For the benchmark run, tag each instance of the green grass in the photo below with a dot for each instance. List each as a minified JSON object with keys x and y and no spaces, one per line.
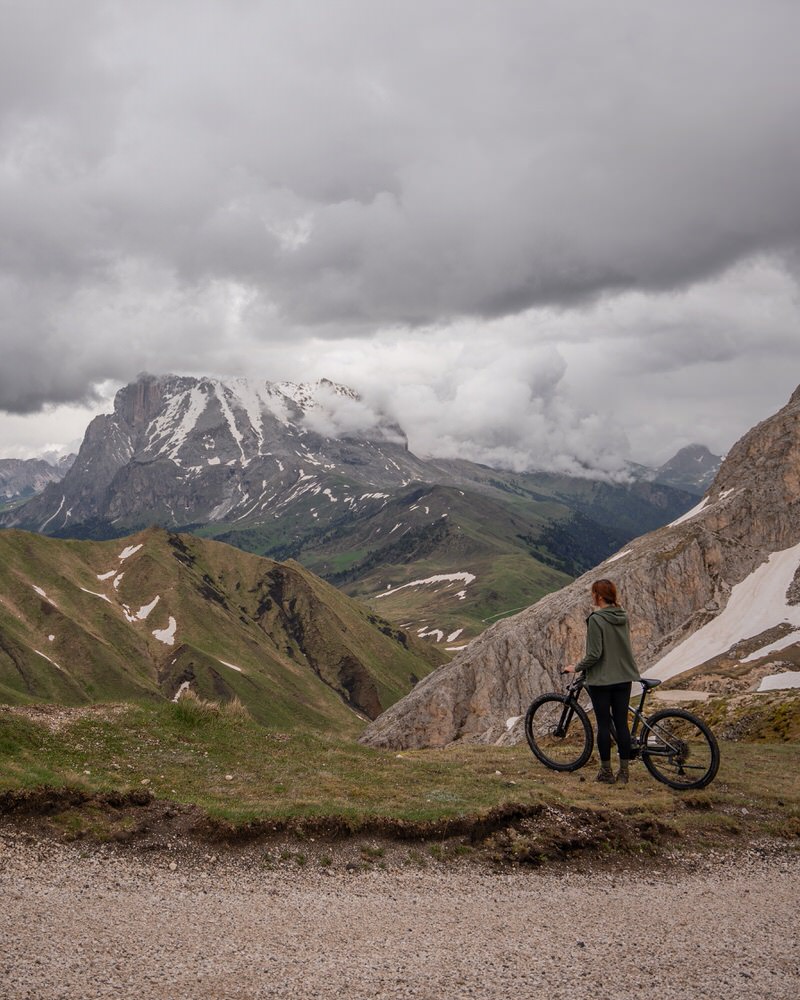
{"x":522,"y":536}
{"x":217,"y":759}
{"x":302,"y":652}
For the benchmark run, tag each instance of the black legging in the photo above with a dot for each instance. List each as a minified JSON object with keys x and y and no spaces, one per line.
{"x":611,"y":700}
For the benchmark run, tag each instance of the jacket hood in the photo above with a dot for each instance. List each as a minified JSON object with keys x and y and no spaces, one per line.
{"x":614,"y":616}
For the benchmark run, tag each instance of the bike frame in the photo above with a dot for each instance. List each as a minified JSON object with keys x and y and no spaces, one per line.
{"x":640,"y":724}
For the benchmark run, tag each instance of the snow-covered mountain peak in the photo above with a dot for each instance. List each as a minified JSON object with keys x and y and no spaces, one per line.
{"x":311,"y":395}
{"x":169,"y":416}
{"x":193,"y":449}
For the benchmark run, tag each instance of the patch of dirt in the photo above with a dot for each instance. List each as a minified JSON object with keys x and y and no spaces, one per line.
{"x":58,"y":717}
{"x":509,"y":834}
{"x":566,"y":832}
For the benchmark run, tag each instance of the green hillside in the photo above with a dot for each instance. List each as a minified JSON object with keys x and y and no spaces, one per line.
{"x":518,"y":536}
{"x":146,"y":617}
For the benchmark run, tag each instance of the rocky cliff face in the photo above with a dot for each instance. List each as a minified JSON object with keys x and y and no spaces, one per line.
{"x":182,"y":451}
{"x":719,"y":581}
{"x":693,"y":469}
{"x":24,"y":477}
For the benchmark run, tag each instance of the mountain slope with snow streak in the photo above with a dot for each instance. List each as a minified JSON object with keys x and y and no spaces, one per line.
{"x":20,"y":478}
{"x":156,"y":615}
{"x":181,"y":451}
{"x":721,"y":583}
{"x":755,"y":607}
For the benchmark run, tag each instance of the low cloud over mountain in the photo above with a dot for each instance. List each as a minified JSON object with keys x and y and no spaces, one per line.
{"x":200,"y":192}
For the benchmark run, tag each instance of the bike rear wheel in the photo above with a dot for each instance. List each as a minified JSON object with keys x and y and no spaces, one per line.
{"x":559,"y":732}
{"x":679,"y":749}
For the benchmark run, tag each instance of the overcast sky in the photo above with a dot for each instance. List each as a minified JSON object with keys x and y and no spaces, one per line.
{"x":538,"y":233}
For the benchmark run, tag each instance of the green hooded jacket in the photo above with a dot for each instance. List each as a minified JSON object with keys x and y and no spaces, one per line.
{"x":609,"y":657}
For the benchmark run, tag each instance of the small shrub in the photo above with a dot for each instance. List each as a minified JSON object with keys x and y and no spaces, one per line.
{"x":192,"y":710}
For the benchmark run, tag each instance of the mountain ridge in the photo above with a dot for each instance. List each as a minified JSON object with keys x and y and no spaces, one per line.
{"x":21,"y":478}
{"x":146,"y":617}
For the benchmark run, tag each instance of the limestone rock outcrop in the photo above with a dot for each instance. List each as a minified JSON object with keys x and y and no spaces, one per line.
{"x":673,"y":582}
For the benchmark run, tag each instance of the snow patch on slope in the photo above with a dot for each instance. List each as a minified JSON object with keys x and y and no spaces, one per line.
{"x":756,"y":604}
{"x":774,"y":647}
{"x":690,"y":513}
{"x":183,"y":410}
{"x":46,"y":657}
{"x":167,"y":635}
{"x":705,"y":504}
{"x":231,"y":665}
{"x":222,"y":392}
{"x":45,"y":523}
{"x":145,"y":609}
{"x":129,"y":551}
{"x":94,"y":594}
{"x":465,"y":578}
{"x":41,"y":593}
{"x":780,"y":682}
{"x":184,"y":687}
{"x":423,"y":633}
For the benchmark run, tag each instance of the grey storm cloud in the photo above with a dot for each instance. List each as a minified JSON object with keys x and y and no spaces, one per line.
{"x":185,"y":179}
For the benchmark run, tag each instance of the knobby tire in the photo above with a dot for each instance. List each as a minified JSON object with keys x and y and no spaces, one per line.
{"x":679,"y":749}
{"x":559,"y":753}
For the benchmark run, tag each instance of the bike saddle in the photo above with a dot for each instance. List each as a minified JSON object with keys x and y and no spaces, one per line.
{"x":649,"y":682}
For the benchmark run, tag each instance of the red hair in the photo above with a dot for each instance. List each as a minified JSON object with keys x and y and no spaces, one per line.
{"x":606,"y":590}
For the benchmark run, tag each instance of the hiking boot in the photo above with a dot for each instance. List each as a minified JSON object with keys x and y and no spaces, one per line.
{"x":605,"y":774}
{"x":622,"y":774}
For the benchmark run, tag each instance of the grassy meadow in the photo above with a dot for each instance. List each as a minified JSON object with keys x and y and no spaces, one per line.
{"x":119,"y":772}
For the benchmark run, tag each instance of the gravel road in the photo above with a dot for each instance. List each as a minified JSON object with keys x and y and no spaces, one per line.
{"x":86,"y":923}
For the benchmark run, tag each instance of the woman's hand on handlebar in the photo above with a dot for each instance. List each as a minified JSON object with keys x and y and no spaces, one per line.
{"x":569,"y":669}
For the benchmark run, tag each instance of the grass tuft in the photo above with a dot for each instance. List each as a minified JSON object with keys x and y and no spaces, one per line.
{"x":193,"y":710}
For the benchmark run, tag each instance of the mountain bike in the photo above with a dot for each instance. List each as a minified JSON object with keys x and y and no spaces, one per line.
{"x":676,"y":747}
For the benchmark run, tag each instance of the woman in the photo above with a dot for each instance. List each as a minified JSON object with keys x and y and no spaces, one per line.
{"x":609,"y":670}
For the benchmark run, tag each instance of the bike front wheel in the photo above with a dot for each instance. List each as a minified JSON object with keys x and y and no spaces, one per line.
{"x":679,"y":749}
{"x":559,"y":732}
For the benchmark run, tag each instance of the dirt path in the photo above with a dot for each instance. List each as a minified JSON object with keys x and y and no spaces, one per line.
{"x":92,"y":923}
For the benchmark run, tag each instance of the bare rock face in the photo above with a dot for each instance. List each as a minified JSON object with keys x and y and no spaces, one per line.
{"x":692,"y":469}
{"x":181,"y":451}
{"x":24,"y":477}
{"x":672,"y":581}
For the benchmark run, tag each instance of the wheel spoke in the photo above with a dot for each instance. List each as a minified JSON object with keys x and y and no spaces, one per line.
{"x":679,"y":749}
